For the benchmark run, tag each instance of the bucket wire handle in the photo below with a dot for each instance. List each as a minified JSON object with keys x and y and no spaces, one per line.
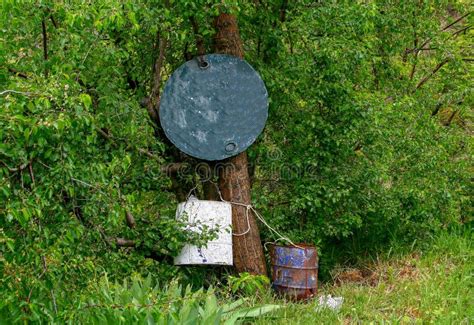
{"x":188,"y":199}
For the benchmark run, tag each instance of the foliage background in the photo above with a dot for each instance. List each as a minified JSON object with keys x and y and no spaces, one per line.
{"x":367,"y":141}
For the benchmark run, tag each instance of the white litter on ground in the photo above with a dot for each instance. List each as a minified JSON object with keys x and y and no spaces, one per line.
{"x":333,"y":303}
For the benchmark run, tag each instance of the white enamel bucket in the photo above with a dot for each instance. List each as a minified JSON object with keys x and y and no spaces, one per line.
{"x":213,"y":214}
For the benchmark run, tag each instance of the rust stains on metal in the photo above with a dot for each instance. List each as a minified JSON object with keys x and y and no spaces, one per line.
{"x":295,"y":270}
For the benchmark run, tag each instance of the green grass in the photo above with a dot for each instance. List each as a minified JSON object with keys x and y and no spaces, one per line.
{"x":432,"y":285}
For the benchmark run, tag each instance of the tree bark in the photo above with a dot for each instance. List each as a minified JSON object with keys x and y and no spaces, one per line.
{"x":234,"y":181}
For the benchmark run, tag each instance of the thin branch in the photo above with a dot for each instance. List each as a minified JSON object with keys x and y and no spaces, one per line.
{"x":461,"y":30}
{"x":32,"y":175}
{"x":83,"y":183}
{"x":87,"y":185}
{"x":275,"y":204}
{"x":53,"y":20}
{"x":428,"y":77}
{"x":456,"y":21}
{"x":436,"y":109}
{"x":428,"y":49}
{"x":148,"y":154}
{"x":413,"y":67}
{"x":44,"y":165}
{"x":45,"y":45}
{"x":442,"y":30}
{"x":122,"y":242}
{"x":18,"y":73}
{"x":12,"y":170}
{"x":199,"y":38}
{"x":130,"y":219}
{"x":7,"y":91}
{"x":415,"y":45}
{"x":451,"y":117}
{"x":283,"y":10}
{"x":54,"y":301}
{"x":104,"y":134}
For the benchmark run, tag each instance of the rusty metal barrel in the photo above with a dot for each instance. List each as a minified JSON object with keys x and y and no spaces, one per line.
{"x":295,"y":270}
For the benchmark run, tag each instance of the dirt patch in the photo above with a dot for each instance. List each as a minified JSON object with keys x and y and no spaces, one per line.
{"x":354,"y":275}
{"x":408,"y":272}
{"x":413,"y":312}
{"x":377,"y":272}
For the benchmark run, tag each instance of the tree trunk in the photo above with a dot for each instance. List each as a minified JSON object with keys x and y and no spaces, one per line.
{"x":234,"y":181}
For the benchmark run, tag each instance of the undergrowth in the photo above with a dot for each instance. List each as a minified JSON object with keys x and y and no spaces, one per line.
{"x":431,"y":284}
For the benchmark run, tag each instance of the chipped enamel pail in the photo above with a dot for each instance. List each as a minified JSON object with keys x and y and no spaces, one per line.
{"x":213,"y":214}
{"x":295,"y":270}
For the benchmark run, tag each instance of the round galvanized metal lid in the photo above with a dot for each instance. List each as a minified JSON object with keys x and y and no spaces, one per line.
{"x":215,"y":108}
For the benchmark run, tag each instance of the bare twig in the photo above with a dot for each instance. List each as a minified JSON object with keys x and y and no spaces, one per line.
{"x":53,"y":20}
{"x":122,"y":242}
{"x":83,"y":183}
{"x":44,"y":165}
{"x":426,"y":78}
{"x":413,"y":67}
{"x":130,"y":219}
{"x":283,"y":10}
{"x":45,"y":45}
{"x":422,"y":46}
{"x":148,"y":154}
{"x":88,"y":185}
{"x":7,"y":91}
{"x":104,"y":134}
{"x":451,"y":117}
{"x":415,"y":45}
{"x":18,"y":73}
{"x":21,"y":179}
{"x":461,"y":30}
{"x":455,"y":22}
{"x":45,"y":266}
{"x":53,"y":297}
{"x":32,"y":175}
{"x":19,"y":168}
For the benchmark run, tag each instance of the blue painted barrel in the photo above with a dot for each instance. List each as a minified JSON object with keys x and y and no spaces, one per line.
{"x":295,"y":270}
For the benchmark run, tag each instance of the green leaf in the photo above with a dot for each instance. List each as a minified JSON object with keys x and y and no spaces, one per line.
{"x":86,"y":100}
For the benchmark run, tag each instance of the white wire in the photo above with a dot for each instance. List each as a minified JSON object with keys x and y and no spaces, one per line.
{"x":188,"y":199}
